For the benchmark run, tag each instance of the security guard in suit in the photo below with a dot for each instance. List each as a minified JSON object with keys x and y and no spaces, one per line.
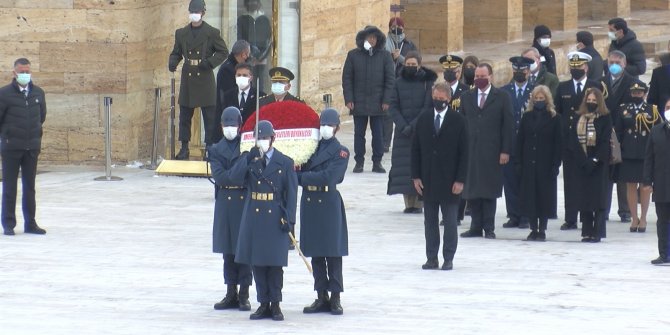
{"x":230,"y":196}
{"x":281,"y":82}
{"x":202,"y":49}
{"x":324,"y":235}
{"x":267,"y":217}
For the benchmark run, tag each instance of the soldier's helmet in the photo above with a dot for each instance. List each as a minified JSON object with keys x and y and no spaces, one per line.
{"x":330,"y":117}
{"x":265,"y":129}
{"x":231,"y":117}
{"x":196,"y":6}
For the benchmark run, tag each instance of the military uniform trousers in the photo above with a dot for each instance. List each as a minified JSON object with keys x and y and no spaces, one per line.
{"x":235,"y":273}
{"x":327,"y":272}
{"x":511,"y":186}
{"x":211,"y":119}
{"x":12,"y":161}
{"x":269,"y":283}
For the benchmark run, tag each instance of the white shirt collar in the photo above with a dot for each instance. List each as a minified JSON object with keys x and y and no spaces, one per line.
{"x":246,"y":92}
{"x":454,"y":86}
{"x":583,"y":81}
{"x":485,"y":91}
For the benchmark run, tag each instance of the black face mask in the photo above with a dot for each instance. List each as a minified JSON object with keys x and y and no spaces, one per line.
{"x":449,"y":76}
{"x":637,"y":100}
{"x":410,"y":71}
{"x":440,"y":105}
{"x":469,"y":74}
{"x":577,"y":73}
{"x":540,"y":105}
{"x":592,"y":107}
{"x":519,"y":77}
{"x":397,"y":31}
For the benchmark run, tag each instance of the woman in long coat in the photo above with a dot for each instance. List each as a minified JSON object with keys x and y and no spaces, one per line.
{"x":589,"y":146}
{"x":538,"y":157}
{"x":412,"y":94}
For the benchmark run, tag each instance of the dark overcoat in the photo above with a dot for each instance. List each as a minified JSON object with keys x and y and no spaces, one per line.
{"x":230,"y":196}
{"x":636,"y":61}
{"x":657,"y":163}
{"x":261,"y":241}
{"x":538,"y":157}
{"x":323,"y":220}
{"x":490,"y":133}
{"x":198,"y":87}
{"x":441,"y":159}
{"x":411,"y":96}
{"x":659,"y":87}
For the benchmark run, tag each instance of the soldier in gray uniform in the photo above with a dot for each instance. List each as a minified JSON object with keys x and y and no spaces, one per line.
{"x":281,"y":83}
{"x":267,"y":217}
{"x":230,"y":195}
{"x":202,"y":49}
{"x":324,"y":235}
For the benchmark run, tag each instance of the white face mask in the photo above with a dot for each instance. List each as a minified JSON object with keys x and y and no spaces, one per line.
{"x":545,"y":42}
{"x":327,"y":132}
{"x":242,"y":82}
{"x":278,"y":88}
{"x":612,"y":35}
{"x":264,"y":145}
{"x":533,"y":67}
{"x":195,"y":17}
{"x":667,"y":115}
{"x":367,"y":45}
{"x":230,"y":133}
{"x":23,"y":78}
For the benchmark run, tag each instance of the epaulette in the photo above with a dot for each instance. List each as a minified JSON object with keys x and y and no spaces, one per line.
{"x":605,"y":93}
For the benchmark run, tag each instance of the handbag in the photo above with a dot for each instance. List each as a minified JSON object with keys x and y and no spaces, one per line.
{"x":615,"y":153}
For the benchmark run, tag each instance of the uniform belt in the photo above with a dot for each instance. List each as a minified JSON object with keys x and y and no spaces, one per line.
{"x":317,"y":188}
{"x":262,"y":196}
{"x":194,"y":62}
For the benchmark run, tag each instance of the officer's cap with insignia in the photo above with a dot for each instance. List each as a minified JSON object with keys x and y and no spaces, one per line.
{"x":639,"y":86}
{"x":577,"y":58}
{"x":265,"y":129}
{"x":521,"y":63}
{"x":231,"y":117}
{"x":329,"y":117}
{"x":196,"y":6}
{"x":450,"y":61}
{"x":281,"y":74}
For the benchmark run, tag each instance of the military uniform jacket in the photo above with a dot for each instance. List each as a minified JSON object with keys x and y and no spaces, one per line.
{"x":519,"y":104}
{"x":634,"y":140}
{"x":567,"y":102}
{"x":657,"y":163}
{"x":323,"y":221}
{"x":261,"y":241}
{"x":456,"y":96}
{"x":270,"y":98}
{"x":230,"y":196}
{"x":198,"y":87}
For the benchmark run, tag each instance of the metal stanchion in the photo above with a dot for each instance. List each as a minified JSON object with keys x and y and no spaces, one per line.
{"x":108,"y":143}
{"x":172,"y":112}
{"x":154,"y":146}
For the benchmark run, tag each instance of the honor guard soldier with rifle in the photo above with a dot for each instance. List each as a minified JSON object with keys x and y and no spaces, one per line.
{"x":202,"y":49}
{"x":324,"y":235}
{"x":268,"y":215}
{"x":281,"y":83}
{"x":230,"y":195}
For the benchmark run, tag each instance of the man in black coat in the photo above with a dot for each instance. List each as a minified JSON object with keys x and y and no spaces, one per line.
{"x":585,"y":45}
{"x":659,"y":87}
{"x":568,"y":99}
{"x":439,"y":168}
{"x":243,"y":95}
{"x":225,"y":78}
{"x":488,"y":111}
{"x":367,"y":84}
{"x":625,"y":40}
{"x":22,"y":113}
{"x":656,"y":167}
{"x":541,"y":42}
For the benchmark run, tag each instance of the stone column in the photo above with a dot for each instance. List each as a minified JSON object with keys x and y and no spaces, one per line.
{"x":493,"y":20}
{"x":557,"y":15}
{"x":603,"y":9}
{"x":651,"y":4}
{"x":436,"y":26}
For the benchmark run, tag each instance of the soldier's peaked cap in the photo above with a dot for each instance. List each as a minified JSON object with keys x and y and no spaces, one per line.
{"x":450,"y":61}
{"x":330,"y":116}
{"x":281,"y":73}
{"x":265,"y":129}
{"x":196,"y":6}
{"x":639,"y":86}
{"x":577,"y":58}
{"x":231,"y":117}
{"x":520,"y":63}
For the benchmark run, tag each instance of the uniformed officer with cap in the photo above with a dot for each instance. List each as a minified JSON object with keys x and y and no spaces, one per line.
{"x":230,"y":196}
{"x":519,"y":89}
{"x":267,"y":217}
{"x":569,"y":97}
{"x":202,"y":49}
{"x":452,"y":66}
{"x":281,"y":83}
{"x":324,"y":235}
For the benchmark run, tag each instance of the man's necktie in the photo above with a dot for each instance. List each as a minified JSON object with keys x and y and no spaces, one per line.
{"x":243,"y":101}
{"x":532,"y":80}
{"x":579,"y":88}
{"x":482,"y":101}
{"x":437,"y":123}
{"x":519,"y":94}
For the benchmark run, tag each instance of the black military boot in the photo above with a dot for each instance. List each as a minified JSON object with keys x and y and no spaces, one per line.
{"x":358,"y":168}
{"x":183,"y":153}
{"x":378,"y":168}
{"x":243,"y":298}
{"x":230,"y":300}
{"x":277,"y":315}
{"x":321,"y":304}
{"x":335,"y":307}
{"x":262,"y":312}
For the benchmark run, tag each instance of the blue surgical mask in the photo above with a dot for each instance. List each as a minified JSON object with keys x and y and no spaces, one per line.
{"x":23,"y":78}
{"x":615,"y":69}
{"x":278,"y":88}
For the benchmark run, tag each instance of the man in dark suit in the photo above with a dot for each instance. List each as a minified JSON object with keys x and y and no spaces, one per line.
{"x":439,"y":168}
{"x":568,"y":99}
{"x":281,"y":84}
{"x":225,"y":78}
{"x":656,"y":165}
{"x":659,"y":87}
{"x":488,"y":111}
{"x":243,"y":95}
{"x":202,"y":49}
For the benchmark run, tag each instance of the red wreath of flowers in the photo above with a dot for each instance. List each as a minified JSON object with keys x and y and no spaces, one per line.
{"x":285,"y":115}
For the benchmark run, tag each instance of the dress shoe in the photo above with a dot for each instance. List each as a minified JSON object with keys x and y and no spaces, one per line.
{"x":262,"y":312}
{"x":277,"y":315}
{"x":431,"y":264}
{"x":447,"y":265}
{"x":660,"y":260}
{"x":9,"y":232}
{"x":378,"y":168}
{"x":243,"y":298}
{"x":595,"y":240}
{"x":321,"y":304}
{"x":490,"y":235}
{"x":34,"y":229}
{"x":568,"y":226}
{"x":541,"y":237}
{"x":417,"y":210}
{"x":471,"y":233}
{"x":532,"y":236}
{"x":586,"y":239}
{"x":408,"y":210}
{"x":625,"y":218}
{"x":642,"y":228}
{"x":335,"y":305}
{"x":183,"y":154}
{"x":523,"y":225}
{"x":511,"y":224}
{"x":358,"y":168}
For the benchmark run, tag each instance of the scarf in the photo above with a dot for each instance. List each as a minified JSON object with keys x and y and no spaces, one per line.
{"x":586,"y":132}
